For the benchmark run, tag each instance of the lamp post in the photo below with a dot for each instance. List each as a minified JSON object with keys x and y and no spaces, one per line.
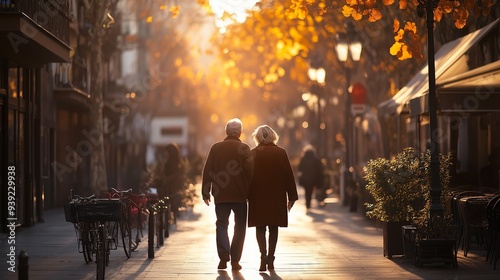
{"x":426,"y":8}
{"x":317,"y":76}
{"x":347,"y":46}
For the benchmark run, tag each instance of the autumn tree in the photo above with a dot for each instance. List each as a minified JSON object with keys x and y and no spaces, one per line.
{"x":407,"y":25}
{"x":271,"y":51}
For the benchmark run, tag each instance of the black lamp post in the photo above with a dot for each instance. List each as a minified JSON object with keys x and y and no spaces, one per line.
{"x":426,"y":8}
{"x":317,"y":76}
{"x":347,"y":46}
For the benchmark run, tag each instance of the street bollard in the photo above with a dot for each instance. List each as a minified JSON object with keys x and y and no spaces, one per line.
{"x":167,"y":215}
{"x":160,"y":216}
{"x":151,"y":233}
{"x":23,"y":267}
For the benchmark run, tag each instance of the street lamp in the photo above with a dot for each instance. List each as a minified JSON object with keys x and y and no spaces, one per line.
{"x":348,"y":45}
{"x":426,"y":8}
{"x":317,"y":76}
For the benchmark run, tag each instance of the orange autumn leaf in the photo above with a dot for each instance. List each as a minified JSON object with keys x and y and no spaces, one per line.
{"x":460,"y":16}
{"x":388,"y":2}
{"x":404,"y":53}
{"x":438,"y":15}
{"x":394,"y":50}
{"x":374,"y":15}
{"x":395,"y":25}
{"x":402,"y":4}
{"x":356,"y":16}
{"x":371,"y":3}
{"x":460,"y":24}
{"x":302,"y":12}
{"x":347,"y":11}
{"x":399,"y":35}
{"x":411,"y":26}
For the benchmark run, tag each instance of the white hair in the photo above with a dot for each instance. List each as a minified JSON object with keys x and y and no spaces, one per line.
{"x":234,"y":127}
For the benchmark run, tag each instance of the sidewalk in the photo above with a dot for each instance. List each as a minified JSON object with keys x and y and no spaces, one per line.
{"x":326,"y":243}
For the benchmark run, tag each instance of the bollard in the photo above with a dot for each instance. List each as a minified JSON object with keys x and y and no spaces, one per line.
{"x":23,"y":267}
{"x":167,"y":216}
{"x":151,"y":233}
{"x":160,"y":231}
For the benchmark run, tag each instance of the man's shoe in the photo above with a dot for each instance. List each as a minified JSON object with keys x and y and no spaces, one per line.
{"x":236,"y":266}
{"x":222,"y":265}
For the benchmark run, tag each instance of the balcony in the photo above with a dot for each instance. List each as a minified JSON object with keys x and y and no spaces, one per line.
{"x":71,"y":83}
{"x":34,"y":32}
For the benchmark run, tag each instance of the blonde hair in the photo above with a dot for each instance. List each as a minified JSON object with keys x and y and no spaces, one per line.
{"x":264,"y":134}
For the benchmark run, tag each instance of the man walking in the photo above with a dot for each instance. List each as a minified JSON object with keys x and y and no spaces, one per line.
{"x":226,"y":175}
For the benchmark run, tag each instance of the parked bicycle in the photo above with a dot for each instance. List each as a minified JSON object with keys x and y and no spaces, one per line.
{"x":96,"y":225}
{"x":133,"y":216}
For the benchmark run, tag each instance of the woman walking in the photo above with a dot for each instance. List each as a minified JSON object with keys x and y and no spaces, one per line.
{"x":272,"y":192}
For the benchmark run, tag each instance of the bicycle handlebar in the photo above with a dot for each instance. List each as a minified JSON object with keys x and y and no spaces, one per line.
{"x":121,"y":192}
{"x":84,"y":198}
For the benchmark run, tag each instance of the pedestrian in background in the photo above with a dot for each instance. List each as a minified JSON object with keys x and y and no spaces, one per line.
{"x":311,"y":174}
{"x":174,"y":178}
{"x":226,"y":176}
{"x":272,"y":192}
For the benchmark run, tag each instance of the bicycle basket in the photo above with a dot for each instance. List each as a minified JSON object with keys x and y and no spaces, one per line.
{"x":100,"y":210}
{"x":70,"y":213}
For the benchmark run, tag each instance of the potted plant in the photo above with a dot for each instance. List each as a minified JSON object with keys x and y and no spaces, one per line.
{"x":394,"y":186}
{"x":435,"y":235}
{"x":435,"y":241}
{"x":400,"y":188}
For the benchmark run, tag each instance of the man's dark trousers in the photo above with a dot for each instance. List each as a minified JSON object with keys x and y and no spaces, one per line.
{"x":223,"y":211}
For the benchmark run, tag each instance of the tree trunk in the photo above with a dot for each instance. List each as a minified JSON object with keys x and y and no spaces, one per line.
{"x":97,"y":161}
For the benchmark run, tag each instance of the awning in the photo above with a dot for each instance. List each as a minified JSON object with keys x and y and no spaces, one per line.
{"x":477,"y":90}
{"x":450,"y":61}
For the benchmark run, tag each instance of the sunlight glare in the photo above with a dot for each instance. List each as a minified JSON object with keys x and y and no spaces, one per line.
{"x":236,"y":8}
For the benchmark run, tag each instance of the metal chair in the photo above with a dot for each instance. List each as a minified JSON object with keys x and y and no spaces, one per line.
{"x":475,"y":223}
{"x":457,"y":220}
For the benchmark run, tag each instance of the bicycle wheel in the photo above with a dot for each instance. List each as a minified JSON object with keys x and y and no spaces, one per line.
{"x":112,"y":234}
{"x":135,"y":226}
{"x":101,"y":252}
{"x":111,"y":238}
{"x":86,"y":239}
{"x":125,"y":228}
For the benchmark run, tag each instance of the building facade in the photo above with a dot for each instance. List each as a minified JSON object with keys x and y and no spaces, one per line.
{"x":32,"y":35}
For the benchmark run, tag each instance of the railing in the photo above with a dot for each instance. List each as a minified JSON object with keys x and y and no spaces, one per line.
{"x":52,"y":15}
{"x":71,"y":74}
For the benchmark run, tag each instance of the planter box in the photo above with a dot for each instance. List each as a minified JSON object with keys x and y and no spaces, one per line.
{"x":393,"y":242}
{"x":435,"y":251}
{"x":409,"y":235}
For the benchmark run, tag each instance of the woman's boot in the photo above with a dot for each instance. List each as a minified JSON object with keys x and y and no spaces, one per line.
{"x":263,"y":263}
{"x":270,"y":262}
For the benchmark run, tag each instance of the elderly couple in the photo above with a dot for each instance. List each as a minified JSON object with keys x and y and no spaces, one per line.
{"x":233,"y":174}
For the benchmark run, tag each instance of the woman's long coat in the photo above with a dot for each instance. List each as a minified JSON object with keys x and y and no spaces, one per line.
{"x":272,"y":186}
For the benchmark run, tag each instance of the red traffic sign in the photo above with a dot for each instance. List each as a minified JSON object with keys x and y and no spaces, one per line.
{"x":358,"y":93}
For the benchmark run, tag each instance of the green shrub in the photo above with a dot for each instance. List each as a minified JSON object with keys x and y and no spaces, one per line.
{"x":400,"y":186}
